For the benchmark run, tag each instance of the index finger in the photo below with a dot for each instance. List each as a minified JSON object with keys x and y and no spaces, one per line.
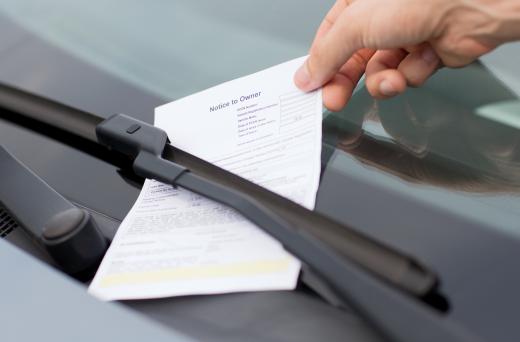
{"x":330,"y":19}
{"x":334,"y":45}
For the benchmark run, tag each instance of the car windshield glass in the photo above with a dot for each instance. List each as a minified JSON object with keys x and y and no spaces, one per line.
{"x":452,"y":144}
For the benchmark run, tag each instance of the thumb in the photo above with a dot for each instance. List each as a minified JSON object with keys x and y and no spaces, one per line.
{"x":327,"y":56}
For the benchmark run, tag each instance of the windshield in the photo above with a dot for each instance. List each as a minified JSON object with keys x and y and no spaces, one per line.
{"x":453,"y":144}
{"x":173,"y":48}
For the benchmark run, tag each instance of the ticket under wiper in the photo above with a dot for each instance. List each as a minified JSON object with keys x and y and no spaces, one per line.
{"x":174,"y":242}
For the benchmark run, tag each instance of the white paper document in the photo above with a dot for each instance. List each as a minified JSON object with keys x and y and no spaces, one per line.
{"x":174,"y":242}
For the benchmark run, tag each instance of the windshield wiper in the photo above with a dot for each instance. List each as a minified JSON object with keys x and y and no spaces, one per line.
{"x":397,"y":312}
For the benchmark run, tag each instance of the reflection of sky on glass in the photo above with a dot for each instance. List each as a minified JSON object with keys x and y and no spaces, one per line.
{"x":374,"y":128}
{"x":503,"y":62}
{"x":500,"y":211}
{"x":506,"y":112}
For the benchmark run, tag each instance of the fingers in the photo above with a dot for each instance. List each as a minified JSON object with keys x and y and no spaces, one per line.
{"x":386,"y":84}
{"x":338,"y":90}
{"x":383,"y":80}
{"x":335,"y":61}
{"x":389,"y":72}
{"x":419,"y":65}
{"x":329,"y":20}
{"x":333,"y":49}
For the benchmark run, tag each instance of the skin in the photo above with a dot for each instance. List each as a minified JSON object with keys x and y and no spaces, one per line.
{"x":400,"y":43}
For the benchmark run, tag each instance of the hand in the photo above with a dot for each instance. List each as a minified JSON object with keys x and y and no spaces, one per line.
{"x":401,"y":43}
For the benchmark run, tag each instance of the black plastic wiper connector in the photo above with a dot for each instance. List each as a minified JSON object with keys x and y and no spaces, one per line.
{"x":130,"y":136}
{"x":141,"y":142}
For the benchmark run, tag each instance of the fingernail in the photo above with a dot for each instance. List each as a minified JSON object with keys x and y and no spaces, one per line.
{"x":429,"y":56}
{"x":302,"y":78}
{"x":387,"y":89}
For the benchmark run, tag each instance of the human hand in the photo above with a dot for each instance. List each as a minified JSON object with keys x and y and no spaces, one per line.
{"x":401,"y":43}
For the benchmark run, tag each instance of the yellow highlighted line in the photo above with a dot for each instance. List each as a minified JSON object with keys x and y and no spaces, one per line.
{"x":188,"y":273}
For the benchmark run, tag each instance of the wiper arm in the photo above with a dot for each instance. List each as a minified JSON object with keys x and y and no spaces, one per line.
{"x":69,"y":124}
{"x":394,"y":312}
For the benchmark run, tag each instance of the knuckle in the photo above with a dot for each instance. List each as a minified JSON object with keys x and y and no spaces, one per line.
{"x":360,"y":60}
{"x":455,"y":61}
{"x":415,"y":82}
{"x":316,"y":54}
{"x":456,"y":53}
{"x":315,"y":59}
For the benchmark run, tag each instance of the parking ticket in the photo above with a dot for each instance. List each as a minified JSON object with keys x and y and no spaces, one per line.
{"x":174,"y":242}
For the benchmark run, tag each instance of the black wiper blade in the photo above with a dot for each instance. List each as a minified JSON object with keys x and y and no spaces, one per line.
{"x":393,"y":310}
{"x":77,"y":127}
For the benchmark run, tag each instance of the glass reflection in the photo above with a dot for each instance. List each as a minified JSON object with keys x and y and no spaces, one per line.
{"x":461,"y":132}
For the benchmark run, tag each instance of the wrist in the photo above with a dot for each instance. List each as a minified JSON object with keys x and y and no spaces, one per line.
{"x":504,"y":18}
